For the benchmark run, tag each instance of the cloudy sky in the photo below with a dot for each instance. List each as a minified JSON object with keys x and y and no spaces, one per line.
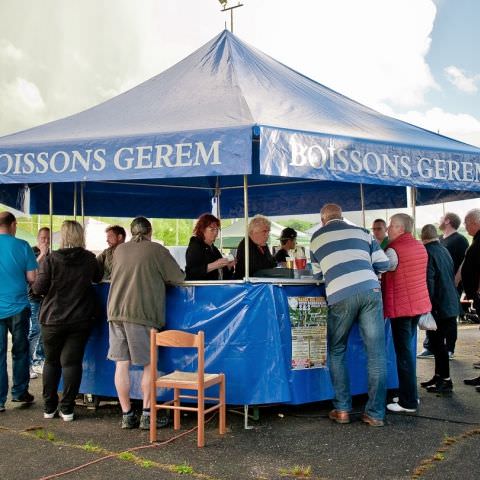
{"x":416,"y":60}
{"x":413,"y":59}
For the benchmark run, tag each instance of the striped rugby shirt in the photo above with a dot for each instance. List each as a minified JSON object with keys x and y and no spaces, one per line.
{"x":349,"y":258}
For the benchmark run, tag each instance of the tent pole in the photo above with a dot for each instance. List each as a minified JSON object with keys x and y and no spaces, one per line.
{"x":362,"y":202}
{"x":82,"y":204}
{"x":247,"y":242}
{"x":75,"y":201}
{"x":413,"y":197}
{"x":219,"y":216}
{"x":50,"y":211}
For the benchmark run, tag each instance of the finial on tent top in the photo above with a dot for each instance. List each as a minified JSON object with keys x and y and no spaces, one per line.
{"x":225,"y":9}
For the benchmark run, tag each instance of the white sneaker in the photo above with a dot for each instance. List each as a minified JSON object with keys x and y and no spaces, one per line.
{"x":50,"y":415}
{"x":397,"y":408}
{"x":38,"y":368}
{"x":67,"y":417}
{"x":33,"y":374}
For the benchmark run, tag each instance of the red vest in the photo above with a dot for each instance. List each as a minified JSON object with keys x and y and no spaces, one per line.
{"x":404,"y":290}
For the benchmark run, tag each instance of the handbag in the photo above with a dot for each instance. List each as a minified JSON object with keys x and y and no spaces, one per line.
{"x":427,"y":322}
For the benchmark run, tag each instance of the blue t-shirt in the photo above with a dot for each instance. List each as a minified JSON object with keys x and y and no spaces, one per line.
{"x":16,"y":258}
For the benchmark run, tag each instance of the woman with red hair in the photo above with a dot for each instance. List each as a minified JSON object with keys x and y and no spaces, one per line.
{"x":204,"y":260}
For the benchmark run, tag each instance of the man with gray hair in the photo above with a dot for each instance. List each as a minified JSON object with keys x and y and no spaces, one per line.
{"x":470,"y":270}
{"x":351,"y":260}
{"x":136,"y":304}
{"x":405,"y":298}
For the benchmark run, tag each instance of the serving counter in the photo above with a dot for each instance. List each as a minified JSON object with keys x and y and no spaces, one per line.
{"x":248,"y":336}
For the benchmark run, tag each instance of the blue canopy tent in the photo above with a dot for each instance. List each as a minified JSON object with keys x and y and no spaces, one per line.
{"x":225,"y":112}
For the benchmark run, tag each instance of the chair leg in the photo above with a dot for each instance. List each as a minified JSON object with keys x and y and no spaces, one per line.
{"x":223,"y":409}
{"x":201,"y":428}
{"x":176,"y":413}
{"x":201,"y":418}
{"x":153,"y":419}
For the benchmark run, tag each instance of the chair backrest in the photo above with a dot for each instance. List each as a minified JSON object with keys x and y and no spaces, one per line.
{"x":177,"y":338}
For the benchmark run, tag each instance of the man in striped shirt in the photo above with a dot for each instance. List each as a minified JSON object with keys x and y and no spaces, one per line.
{"x":351,"y":260}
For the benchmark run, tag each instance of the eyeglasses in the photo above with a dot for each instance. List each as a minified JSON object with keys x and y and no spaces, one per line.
{"x":214,"y":229}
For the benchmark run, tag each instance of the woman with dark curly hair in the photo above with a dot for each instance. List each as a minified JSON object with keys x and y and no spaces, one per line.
{"x":204,"y":260}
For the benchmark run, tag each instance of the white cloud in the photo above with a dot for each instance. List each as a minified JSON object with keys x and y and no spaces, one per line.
{"x":457,"y":77}
{"x":462,"y":126}
{"x":372,"y":51}
{"x":9,"y":51}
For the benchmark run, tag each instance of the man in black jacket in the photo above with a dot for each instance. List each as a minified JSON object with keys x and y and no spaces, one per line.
{"x":445,"y":307}
{"x":470,"y":269}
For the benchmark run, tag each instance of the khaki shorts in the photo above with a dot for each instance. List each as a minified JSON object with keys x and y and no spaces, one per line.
{"x":129,"y":341}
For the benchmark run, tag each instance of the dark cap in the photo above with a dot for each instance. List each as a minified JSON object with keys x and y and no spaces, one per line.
{"x":288,"y":234}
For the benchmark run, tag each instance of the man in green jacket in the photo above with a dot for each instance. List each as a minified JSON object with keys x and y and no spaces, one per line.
{"x":136,"y":303}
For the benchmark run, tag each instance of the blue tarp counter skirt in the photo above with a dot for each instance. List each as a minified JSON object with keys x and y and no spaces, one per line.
{"x":248,"y":337}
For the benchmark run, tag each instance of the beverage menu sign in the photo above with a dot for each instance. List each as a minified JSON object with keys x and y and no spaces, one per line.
{"x":308,"y":318}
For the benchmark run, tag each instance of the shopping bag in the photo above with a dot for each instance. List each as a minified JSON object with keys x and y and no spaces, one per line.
{"x":427,"y":322}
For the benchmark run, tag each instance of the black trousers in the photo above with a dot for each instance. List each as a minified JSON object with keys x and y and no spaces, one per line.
{"x":64,"y":346}
{"x":438,"y":345}
{"x":450,"y":335}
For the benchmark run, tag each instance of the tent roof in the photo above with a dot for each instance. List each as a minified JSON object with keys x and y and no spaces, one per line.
{"x":231,"y":97}
{"x":227,"y":83}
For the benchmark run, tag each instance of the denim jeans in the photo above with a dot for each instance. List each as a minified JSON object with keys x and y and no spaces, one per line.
{"x":366,"y":309}
{"x":35,"y":335}
{"x":64,"y":347}
{"x":403,"y":332}
{"x":17,"y":325}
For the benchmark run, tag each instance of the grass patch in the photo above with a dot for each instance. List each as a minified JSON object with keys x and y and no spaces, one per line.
{"x":91,"y":447}
{"x":439,"y":456}
{"x":183,"y":469}
{"x":127,"y":457}
{"x":44,"y":435}
{"x":298,"y":471}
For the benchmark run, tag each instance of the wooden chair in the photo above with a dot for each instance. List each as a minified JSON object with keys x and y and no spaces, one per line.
{"x":179,"y":380}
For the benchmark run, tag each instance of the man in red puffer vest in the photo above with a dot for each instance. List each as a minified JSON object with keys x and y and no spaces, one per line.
{"x":405,"y":298}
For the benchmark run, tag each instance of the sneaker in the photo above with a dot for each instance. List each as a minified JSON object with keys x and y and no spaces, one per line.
{"x":130,"y":420}
{"x":425,"y":354}
{"x":162,"y":422}
{"x":25,"y":398}
{"x":397,"y":408}
{"x":33,"y":374}
{"x":2,"y":408}
{"x":38,"y":368}
{"x":442,"y":386}
{"x":49,"y":415}
{"x":472,"y":381}
{"x":433,"y":381}
{"x":66,"y":417}
{"x":451,"y":355}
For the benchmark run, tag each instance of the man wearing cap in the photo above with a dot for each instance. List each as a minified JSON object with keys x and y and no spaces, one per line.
{"x":288,"y":241}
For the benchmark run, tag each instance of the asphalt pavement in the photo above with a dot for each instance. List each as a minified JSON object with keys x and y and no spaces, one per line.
{"x":441,"y":441}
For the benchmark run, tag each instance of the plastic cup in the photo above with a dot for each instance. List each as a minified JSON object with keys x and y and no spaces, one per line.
{"x":301,"y":263}
{"x":290,"y":262}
